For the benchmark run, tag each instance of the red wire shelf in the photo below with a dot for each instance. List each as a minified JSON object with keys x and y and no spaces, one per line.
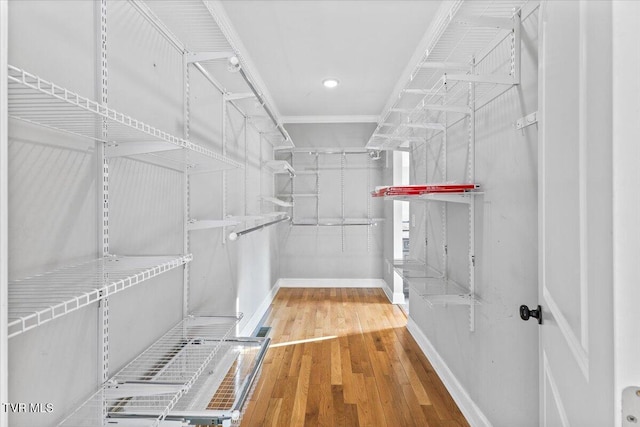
{"x":419,"y":190}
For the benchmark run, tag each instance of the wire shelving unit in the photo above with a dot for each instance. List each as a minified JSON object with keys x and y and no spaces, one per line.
{"x":463,"y":197}
{"x":278,"y":202}
{"x":35,"y":100}
{"x":338,"y":222}
{"x":219,"y":396}
{"x":439,"y":84}
{"x":151,"y":385}
{"x":473,"y":57}
{"x":199,"y":29}
{"x":204,"y":224}
{"x":279,"y":166}
{"x":196,"y":361}
{"x":39,"y":299}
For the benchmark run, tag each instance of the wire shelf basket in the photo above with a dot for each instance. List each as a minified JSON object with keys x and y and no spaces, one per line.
{"x":146,"y":390}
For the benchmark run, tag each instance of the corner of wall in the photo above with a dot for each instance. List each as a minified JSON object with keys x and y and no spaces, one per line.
{"x":467,"y":406}
{"x":394,"y":297}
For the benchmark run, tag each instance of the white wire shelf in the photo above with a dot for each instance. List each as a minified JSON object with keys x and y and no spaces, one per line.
{"x":204,"y":224}
{"x":308,"y":172}
{"x":37,"y":101}
{"x":220,"y":394}
{"x":150,"y":386}
{"x":39,"y":299}
{"x":338,"y":222}
{"x":256,"y":218}
{"x":279,"y":166}
{"x":463,"y":197}
{"x":439,"y":291}
{"x":200,"y":28}
{"x":439,"y":82}
{"x":294,"y":195}
{"x":413,"y":269}
{"x":277,"y":202}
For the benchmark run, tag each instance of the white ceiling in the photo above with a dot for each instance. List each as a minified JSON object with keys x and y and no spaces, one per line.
{"x":366,"y":45}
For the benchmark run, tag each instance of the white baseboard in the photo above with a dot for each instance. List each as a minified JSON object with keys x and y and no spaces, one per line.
{"x":467,"y":406}
{"x":254,"y":321}
{"x":394,"y":297}
{"x":332,"y":283}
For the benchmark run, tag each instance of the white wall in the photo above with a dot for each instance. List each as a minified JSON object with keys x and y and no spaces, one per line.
{"x":497,"y":364}
{"x":393,"y":174}
{"x":52,"y":210}
{"x":53,"y":201}
{"x":317,"y":252}
{"x":229,"y":276}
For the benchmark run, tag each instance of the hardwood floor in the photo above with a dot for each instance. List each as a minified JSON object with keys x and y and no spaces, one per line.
{"x":343,"y":357}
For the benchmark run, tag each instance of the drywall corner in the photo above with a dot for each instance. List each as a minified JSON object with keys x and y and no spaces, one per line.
{"x":467,"y":406}
{"x":394,"y":297}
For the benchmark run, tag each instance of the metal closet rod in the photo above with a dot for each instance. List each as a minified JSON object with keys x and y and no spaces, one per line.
{"x":262,"y":102}
{"x":333,"y":224}
{"x":331,"y":152}
{"x":234,"y":235}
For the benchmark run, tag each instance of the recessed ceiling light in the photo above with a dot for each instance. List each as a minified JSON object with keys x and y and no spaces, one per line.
{"x":330,"y":83}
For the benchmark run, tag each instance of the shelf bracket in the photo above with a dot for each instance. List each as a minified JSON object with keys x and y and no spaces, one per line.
{"x":432,"y":126}
{"x":133,"y":148}
{"x":207,"y":56}
{"x":462,"y":109}
{"x":236,"y":96}
{"x":485,"y":22}
{"x":528,"y":120}
{"x":423,"y":92}
{"x":482,"y":78}
{"x":445,"y":65}
{"x":399,"y":138}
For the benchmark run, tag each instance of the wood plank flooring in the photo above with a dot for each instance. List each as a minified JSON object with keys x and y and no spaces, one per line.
{"x":343,"y":357}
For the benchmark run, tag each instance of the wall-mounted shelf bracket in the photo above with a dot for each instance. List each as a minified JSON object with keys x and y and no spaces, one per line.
{"x":279,"y":166}
{"x":423,"y":92}
{"x":133,"y":148}
{"x":528,"y":120}
{"x":485,"y":22}
{"x":482,"y":78}
{"x":462,"y":109}
{"x":277,"y":202}
{"x":192,"y":57}
{"x":433,"y":126}
{"x":195,"y":224}
{"x":237,"y":96}
{"x":398,"y":138}
{"x":445,"y":65}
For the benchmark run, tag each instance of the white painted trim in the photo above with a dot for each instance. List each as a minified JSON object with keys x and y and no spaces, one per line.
{"x":626,"y":200}
{"x":394,"y":297}
{"x":258,"y":314}
{"x":4,"y":194}
{"x":467,"y":406}
{"x":330,"y":119}
{"x":331,"y":283}
{"x":573,"y":341}
{"x":555,"y":394}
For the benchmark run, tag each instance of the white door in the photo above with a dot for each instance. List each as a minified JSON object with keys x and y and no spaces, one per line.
{"x":575,"y":205}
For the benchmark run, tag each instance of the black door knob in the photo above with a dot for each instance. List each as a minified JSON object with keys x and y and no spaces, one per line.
{"x":525,"y":313}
